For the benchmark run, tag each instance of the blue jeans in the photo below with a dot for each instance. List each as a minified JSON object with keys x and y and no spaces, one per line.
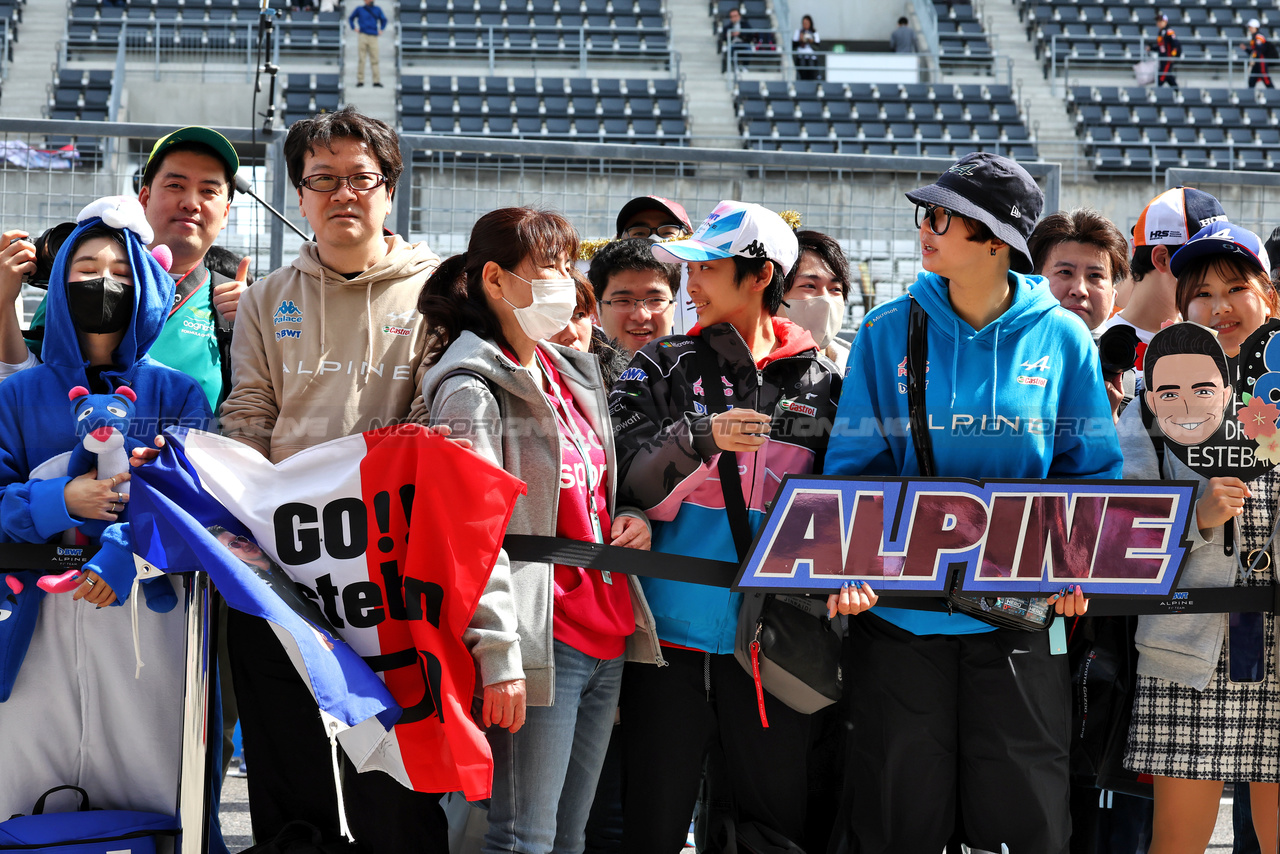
{"x":544,"y":775}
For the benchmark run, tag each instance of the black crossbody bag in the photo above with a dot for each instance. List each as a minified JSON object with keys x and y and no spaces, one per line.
{"x":786,"y":643}
{"x":1003,"y":612}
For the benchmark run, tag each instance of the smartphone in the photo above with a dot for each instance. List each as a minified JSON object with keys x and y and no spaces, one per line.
{"x":1246,"y":659}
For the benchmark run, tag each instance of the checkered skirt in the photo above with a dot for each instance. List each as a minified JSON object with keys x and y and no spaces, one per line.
{"x":1228,"y":731}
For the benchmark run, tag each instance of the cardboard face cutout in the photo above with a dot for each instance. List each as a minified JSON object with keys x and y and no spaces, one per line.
{"x":1216,"y":417}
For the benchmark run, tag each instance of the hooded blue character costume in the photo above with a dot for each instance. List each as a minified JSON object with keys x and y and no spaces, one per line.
{"x":77,"y":714}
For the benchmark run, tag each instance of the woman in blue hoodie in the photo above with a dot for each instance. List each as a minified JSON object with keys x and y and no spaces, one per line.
{"x":78,"y":714}
{"x":958,"y":724}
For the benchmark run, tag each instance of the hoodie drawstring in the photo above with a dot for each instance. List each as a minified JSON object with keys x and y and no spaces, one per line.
{"x":368,"y":321}
{"x":322,"y":290}
{"x":955,"y":360}
{"x":995,"y":370}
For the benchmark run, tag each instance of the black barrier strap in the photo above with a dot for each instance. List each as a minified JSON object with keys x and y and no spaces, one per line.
{"x":719,"y":573}
{"x":54,"y":560}
{"x":713,"y":573}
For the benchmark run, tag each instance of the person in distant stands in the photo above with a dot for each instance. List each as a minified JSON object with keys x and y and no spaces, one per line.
{"x":1261,"y":52}
{"x":1169,"y":48}
{"x":733,"y":35}
{"x":903,"y":39}
{"x":370,"y":22}
{"x":804,"y":50}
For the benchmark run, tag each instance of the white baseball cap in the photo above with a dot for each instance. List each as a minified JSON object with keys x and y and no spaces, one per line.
{"x":736,"y":228}
{"x":1253,"y":22}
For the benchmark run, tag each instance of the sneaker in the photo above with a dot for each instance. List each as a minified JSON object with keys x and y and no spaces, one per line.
{"x":377,"y":85}
{"x":358,"y":85}
{"x":238,"y":769}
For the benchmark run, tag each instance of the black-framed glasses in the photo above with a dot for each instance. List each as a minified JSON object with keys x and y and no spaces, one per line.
{"x":664,"y":231}
{"x":361,"y":182}
{"x":931,"y":213}
{"x":626,"y":305}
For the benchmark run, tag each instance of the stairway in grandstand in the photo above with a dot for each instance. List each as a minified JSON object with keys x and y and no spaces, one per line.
{"x":711,"y":119}
{"x":370,"y":100}
{"x":26,"y":88}
{"x":1044,"y":108}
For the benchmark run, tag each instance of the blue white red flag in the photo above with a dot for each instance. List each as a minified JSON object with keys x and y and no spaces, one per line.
{"x":367,"y":555}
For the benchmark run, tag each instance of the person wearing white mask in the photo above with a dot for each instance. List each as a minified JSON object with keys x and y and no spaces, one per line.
{"x":548,"y":640}
{"x":817,"y":293}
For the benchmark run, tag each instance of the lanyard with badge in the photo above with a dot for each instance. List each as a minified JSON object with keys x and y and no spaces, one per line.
{"x":564,"y":420}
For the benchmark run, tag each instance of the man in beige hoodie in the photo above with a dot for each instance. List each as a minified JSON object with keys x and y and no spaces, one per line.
{"x":328,"y":346}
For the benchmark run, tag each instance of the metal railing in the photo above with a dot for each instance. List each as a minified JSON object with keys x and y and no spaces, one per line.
{"x":1059,"y":62}
{"x":927,"y":18}
{"x":857,"y":199}
{"x":39,"y":192}
{"x":205,"y":48}
{"x":759,"y":50}
{"x":1249,"y":198}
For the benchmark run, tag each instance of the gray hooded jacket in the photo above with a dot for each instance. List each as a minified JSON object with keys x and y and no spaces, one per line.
{"x":1182,"y":648}
{"x":497,"y":404}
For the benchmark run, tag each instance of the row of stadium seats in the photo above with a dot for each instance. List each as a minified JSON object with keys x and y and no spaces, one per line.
{"x":417,"y":85}
{"x":545,"y":108}
{"x":80,"y":95}
{"x":566,"y":7}
{"x":305,"y":95}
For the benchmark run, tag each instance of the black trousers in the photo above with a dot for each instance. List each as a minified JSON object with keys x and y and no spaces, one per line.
{"x":1167,"y":77}
{"x":672,"y":722}
{"x":965,"y":731}
{"x":1259,"y":73}
{"x":291,"y":770}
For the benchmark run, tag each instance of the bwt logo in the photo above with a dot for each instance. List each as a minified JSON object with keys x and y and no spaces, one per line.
{"x":69,"y":552}
{"x":1181,"y":595}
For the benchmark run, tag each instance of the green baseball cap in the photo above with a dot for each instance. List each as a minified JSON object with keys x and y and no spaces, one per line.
{"x":208,"y":136}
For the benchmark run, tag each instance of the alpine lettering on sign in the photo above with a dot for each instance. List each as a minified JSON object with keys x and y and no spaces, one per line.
{"x":1005,"y":537}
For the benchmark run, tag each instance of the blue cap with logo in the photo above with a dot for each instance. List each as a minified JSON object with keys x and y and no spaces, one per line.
{"x":1221,"y":238}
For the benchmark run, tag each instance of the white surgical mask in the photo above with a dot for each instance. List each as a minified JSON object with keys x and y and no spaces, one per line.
{"x":554,"y":301}
{"x":822,"y":316}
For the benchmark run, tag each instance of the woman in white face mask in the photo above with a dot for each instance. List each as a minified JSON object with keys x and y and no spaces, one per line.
{"x":817,"y":293}
{"x":548,"y":639}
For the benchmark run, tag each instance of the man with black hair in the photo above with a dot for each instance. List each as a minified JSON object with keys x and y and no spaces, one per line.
{"x":636,"y":292}
{"x":1165,"y":224}
{"x":300,"y":380}
{"x":187,"y":186}
{"x":903,"y":39}
{"x":769,"y":401}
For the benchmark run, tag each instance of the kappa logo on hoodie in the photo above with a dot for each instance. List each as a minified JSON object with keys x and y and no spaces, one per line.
{"x":287,"y":312}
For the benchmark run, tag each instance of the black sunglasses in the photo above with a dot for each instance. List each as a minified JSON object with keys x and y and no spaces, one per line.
{"x":931,"y":213}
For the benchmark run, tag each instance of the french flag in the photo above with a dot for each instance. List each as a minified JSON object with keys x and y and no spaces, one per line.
{"x":367,"y":555}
